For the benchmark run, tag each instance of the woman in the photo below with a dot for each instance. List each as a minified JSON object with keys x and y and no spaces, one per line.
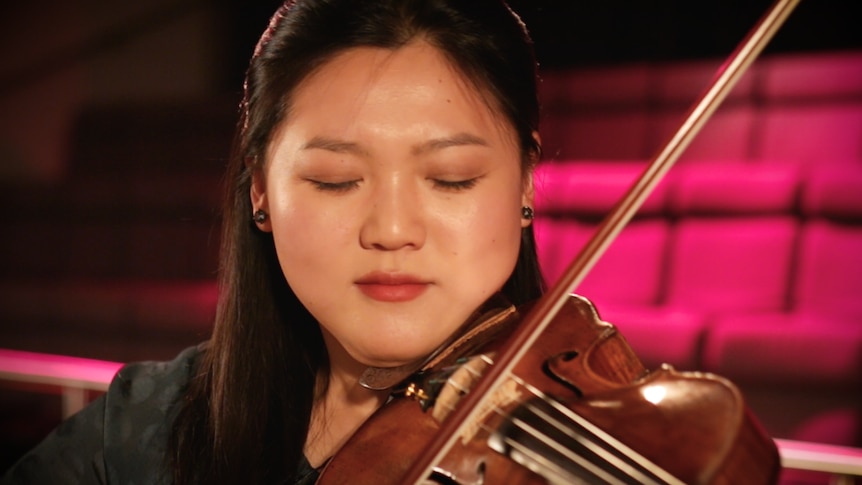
{"x":380,"y":191}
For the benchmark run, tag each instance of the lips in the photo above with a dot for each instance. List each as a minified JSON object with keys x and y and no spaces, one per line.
{"x":392,"y":287}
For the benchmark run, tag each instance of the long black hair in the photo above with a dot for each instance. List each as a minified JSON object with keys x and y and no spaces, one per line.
{"x":246,"y":413}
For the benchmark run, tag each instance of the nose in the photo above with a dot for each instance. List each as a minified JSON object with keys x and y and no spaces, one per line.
{"x":394,"y":219}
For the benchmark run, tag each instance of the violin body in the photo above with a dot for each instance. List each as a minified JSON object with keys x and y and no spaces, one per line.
{"x":578,"y":408}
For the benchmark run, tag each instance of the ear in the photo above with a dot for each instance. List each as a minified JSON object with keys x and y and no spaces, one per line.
{"x":527,"y":195}
{"x":258,"y":199}
{"x":528,"y":191}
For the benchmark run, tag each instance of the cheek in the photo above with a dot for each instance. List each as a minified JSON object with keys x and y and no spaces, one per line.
{"x":303,"y":235}
{"x":498,"y":216}
{"x":308,"y":250}
{"x":300,"y":216}
{"x":490,"y":238}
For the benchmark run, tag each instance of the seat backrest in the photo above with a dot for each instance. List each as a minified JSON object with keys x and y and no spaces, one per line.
{"x":829,"y":277}
{"x":732,"y":245}
{"x":728,"y":264}
{"x":571,"y":200}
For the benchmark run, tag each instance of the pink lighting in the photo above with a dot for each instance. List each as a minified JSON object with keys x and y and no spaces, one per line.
{"x":747,"y":260}
{"x":57,"y":370}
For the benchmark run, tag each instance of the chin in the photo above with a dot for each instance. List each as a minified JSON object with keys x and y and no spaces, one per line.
{"x":394,"y":356}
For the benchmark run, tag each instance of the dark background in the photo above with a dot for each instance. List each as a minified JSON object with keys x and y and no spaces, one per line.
{"x":94,"y":225}
{"x":589,"y":33}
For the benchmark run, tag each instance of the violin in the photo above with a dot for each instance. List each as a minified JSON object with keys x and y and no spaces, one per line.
{"x":548,"y":393}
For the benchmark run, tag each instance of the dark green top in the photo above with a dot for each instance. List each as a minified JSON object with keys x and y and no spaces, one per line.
{"x":121,"y":437}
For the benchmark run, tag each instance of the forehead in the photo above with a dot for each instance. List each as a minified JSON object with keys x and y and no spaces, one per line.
{"x":369,"y":76}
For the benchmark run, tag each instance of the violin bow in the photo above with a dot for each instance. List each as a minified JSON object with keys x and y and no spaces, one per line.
{"x":549,"y":305}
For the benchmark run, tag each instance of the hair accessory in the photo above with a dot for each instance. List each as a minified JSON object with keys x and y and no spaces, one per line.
{"x":527,"y":212}
{"x":260,"y":216}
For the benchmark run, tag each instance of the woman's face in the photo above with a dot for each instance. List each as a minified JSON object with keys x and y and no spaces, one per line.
{"x":394,"y":195}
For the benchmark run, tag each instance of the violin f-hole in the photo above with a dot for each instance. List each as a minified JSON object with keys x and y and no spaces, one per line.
{"x":555,"y":367}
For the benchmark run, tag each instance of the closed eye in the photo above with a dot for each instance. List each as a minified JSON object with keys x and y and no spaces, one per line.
{"x":455,"y":185}
{"x":337,"y":187}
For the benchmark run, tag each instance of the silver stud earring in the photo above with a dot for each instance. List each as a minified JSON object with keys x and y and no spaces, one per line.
{"x":527,"y":212}
{"x":260,"y":216}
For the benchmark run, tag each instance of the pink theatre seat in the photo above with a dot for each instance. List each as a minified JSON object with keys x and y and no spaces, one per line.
{"x":829,"y":280}
{"x":812,"y":107}
{"x":577,"y":120}
{"x":558,"y":242}
{"x":733,"y":245}
{"x":730,"y":265}
{"x":585,"y":189}
{"x":571,"y":199}
{"x":812,"y":133}
{"x":830,"y":254}
{"x":727,"y":136}
{"x":815,"y":362}
{"x":630,"y":271}
{"x":817,"y":342}
{"x":786,"y":349}
{"x":625,"y":284}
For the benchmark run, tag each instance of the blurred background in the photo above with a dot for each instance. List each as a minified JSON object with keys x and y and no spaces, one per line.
{"x":116,"y":120}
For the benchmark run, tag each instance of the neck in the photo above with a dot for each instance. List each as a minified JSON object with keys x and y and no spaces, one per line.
{"x":339,"y":411}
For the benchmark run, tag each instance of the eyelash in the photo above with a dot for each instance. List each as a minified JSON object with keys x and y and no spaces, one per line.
{"x":457,"y":185}
{"x":337,"y":187}
{"x":341,"y":187}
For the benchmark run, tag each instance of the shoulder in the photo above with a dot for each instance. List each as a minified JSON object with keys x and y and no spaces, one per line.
{"x":72,"y":453}
{"x":151,"y":385}
{"x":119,"y":438}
{"x":140,"y":407}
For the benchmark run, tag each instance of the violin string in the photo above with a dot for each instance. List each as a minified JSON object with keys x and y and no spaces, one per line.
{"x":590,"y":467}
{"x":595,"y":470}
{"x":525,"y":451}
{"x":593,"y":440}
{"x":598,"y":435}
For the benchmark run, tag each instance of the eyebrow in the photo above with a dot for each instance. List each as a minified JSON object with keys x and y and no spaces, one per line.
{"x":334,"y":145}
{"x":342,"y":146}
{"x":460,"y":139}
